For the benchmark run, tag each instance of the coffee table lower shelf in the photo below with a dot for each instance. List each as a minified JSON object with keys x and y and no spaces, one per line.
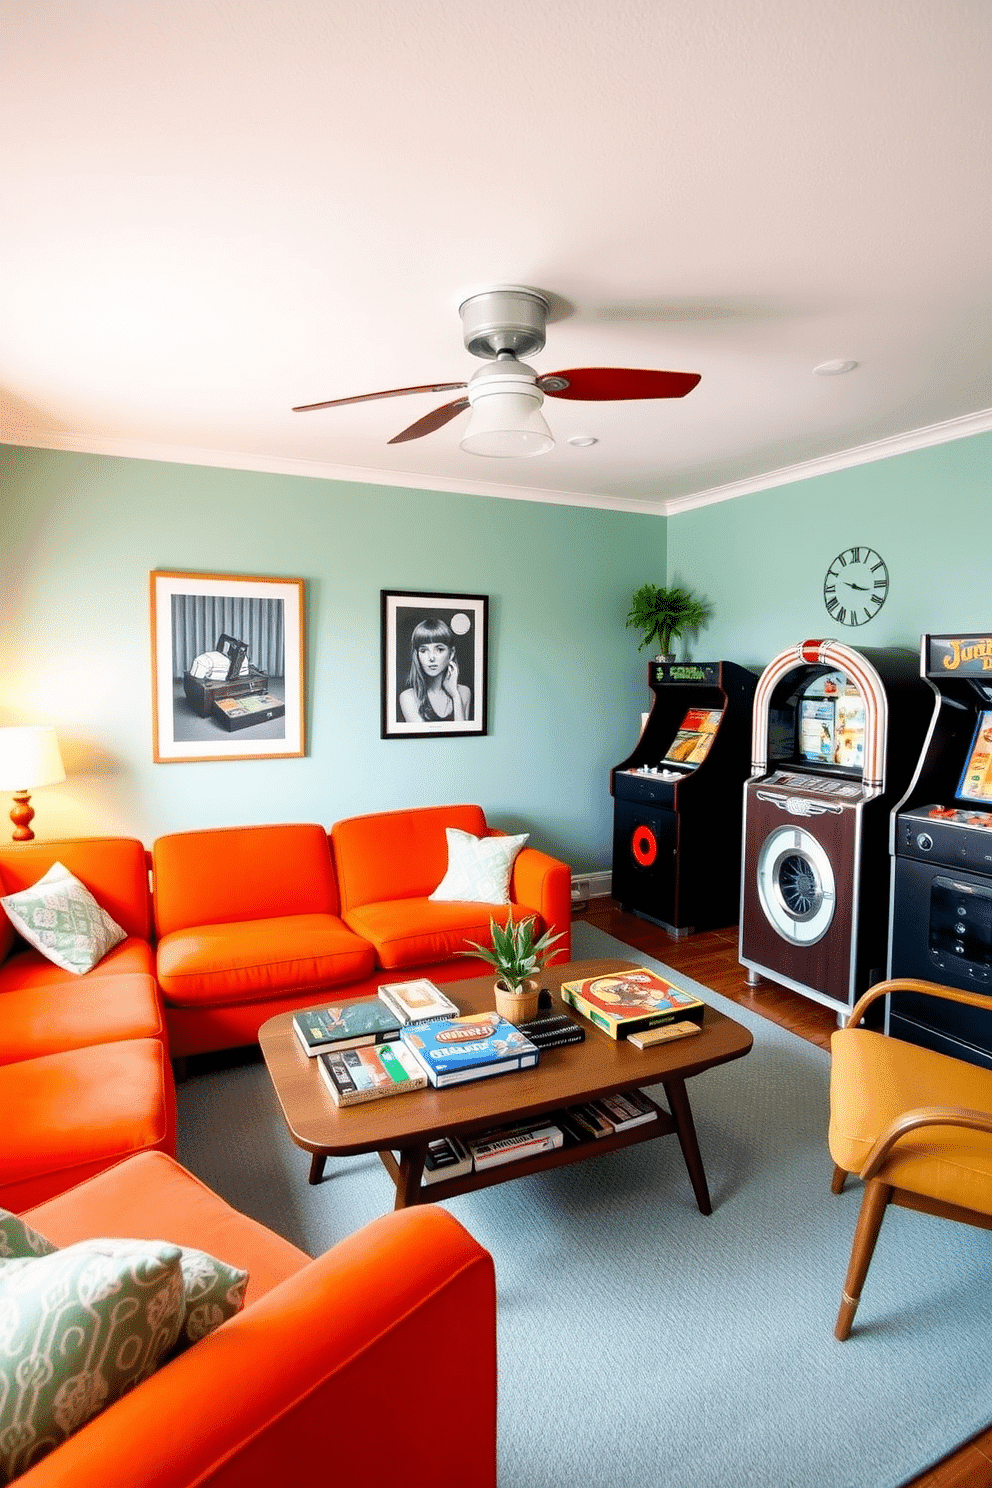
{"x":406,"y":1173}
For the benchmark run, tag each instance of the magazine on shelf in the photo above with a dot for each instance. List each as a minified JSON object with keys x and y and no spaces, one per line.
{"x":625,"y":1002}
{"x":589,"y":1121}
{"x":626,"y":1109}
{"x":469,"y":1047}
{"x":346,"y":1025}
{"x":504,"y":1144}
{"x":354,"y":1075}
{"x":414,"y":1001}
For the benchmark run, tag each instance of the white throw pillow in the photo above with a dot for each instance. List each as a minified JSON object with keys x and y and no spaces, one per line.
{"x":479,"y":868}
{"x":59,"y":917}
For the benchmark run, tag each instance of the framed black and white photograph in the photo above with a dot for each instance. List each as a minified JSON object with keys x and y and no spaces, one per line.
{"x":434,"y":653}
{"x":227,"y":667}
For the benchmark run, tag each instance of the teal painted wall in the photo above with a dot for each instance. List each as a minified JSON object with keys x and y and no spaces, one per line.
{"x":83,"y":532}
{"x":760,"y":560}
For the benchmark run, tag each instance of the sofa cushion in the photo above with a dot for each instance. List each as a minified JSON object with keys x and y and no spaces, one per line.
{"x":18,"y":1241}
{"x":79,"y":1112}
{"x":250,"y":960}
{"x":29,"y":968}
{"x":114,"y":869}
{"x":397,"y":854}
{"x":227,"y":875}
{"x":81,"y":1327}
{"x":479,"y":868}
{"x":38,"y":1020}
{"x":60,"y":917}
{"x":413,"y":932}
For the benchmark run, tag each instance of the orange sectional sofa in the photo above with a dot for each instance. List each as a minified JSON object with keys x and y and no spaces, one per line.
{"x":254,"y":921}
{"x":84,"y":1061}
{"x":333,"y":1372}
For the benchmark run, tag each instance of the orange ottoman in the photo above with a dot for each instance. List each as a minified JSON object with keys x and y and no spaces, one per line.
{"x":72,"y":1114}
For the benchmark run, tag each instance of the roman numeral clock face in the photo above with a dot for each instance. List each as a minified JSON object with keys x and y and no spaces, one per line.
{"x":855,"y":586}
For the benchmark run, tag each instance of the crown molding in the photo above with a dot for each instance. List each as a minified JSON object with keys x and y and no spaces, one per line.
{"x":862,"y":454}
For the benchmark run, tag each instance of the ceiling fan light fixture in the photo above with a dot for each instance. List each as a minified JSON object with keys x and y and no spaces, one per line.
{"x":506,"y":419}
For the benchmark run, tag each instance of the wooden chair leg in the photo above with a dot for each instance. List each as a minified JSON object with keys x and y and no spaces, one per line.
{"x":839,"y":1179}
{"x":873,"y":1206}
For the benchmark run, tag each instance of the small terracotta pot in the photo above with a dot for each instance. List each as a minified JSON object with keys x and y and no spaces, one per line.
{"x":517,"y":1004}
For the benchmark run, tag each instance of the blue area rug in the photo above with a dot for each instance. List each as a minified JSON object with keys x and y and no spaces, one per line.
{"x":643,"y":1345}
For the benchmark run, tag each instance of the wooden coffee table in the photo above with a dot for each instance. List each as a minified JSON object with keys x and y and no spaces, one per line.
{"x":566,"y":1076}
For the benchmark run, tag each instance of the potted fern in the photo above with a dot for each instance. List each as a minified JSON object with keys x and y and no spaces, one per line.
{"x":664,"y":614}
{"x":517,"y":958}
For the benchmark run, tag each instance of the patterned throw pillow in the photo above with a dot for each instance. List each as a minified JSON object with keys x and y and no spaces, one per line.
{"x":78,"y":1329}
{"x":479,"y":868}
{"x":213,"y":1291}
{"x":18,"y":1241}
{"x":59,"y":917}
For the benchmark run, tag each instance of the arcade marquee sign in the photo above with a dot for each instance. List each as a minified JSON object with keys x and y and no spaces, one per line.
{"x":965,"y":656}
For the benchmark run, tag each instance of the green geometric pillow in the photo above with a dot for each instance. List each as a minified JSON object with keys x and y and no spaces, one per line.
{"x":59,"y":917}
{"x":78,"y":1329}
{"x":19,"y":1241}
{"x":213,"y":1292}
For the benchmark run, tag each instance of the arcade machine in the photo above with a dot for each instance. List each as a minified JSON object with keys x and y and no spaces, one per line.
{"x":942,"y":856}
{"x":835,"y":736}
{"x":676,"y":814}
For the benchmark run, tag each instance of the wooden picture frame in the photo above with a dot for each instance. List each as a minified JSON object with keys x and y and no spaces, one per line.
{"x":453,"y":630}
{"x":227,"y":667}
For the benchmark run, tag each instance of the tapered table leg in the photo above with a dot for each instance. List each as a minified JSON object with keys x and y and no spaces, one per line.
{"x":317,"y":1162}
{"x":678,"y":1104}
{"x":410,"y":1172}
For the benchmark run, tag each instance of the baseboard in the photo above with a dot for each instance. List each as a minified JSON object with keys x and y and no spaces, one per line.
{"x":586,"y":886}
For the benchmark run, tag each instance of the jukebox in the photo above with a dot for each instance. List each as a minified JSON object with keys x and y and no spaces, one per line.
{"x":941,"y":842}
{"x":676,"y":813}
{"x":835,"y":736}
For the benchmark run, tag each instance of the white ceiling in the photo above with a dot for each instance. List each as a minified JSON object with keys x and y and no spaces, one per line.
{"x":216,"y":209}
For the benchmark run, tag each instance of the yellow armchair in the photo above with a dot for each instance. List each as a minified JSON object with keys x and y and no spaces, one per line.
{"x":914,"y":1125}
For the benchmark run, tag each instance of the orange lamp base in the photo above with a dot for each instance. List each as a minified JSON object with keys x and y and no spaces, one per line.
{"x":21,"y":814}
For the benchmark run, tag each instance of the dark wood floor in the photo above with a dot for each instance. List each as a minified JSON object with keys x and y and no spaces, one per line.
{"x":711,"y":958}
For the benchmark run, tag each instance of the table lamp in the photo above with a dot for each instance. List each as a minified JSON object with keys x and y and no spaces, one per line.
{"x":29,"y":758}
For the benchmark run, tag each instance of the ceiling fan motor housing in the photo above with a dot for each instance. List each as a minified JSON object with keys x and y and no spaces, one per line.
{"x":509,"y":318}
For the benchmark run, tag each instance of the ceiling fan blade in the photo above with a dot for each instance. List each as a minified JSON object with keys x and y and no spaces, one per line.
{"x":430,"y":387}
{"x":613,"y":384}
{"x":431,"y":421}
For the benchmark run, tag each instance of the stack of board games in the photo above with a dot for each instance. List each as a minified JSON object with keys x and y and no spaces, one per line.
{"x":354,"y":1075}
{"x":505,"y":1144}
{"x":412,"y":1002}
{"x":626,"y":1002}
{"x":626,"y":1109}
{"x":347,"y":1025}
{"x":468,"y":1047}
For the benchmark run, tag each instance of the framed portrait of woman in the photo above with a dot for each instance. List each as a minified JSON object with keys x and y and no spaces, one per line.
{"x":434,"y":664}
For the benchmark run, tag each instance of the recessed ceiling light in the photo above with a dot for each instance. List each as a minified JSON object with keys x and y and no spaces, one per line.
{"x":583,"y":441}
{"x":833,"y":369}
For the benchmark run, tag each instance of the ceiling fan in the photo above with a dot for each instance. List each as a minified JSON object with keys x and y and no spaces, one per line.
{"x":502,"y":325}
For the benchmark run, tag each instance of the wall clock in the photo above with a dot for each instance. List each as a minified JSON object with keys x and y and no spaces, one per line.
{"x":855,"y":585}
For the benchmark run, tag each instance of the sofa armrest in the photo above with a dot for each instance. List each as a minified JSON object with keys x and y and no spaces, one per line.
{"x":375,"y":1364}
{"x":543,"y":885}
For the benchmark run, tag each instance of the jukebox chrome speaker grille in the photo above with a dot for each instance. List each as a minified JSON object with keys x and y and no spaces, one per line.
{"x":796,"y":885}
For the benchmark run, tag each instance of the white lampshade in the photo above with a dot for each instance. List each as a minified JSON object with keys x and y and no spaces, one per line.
{"x":506,"y":413}
{"x":29,"y":757}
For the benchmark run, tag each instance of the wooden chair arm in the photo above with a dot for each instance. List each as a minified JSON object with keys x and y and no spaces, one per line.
{"x":922,"y":1116}
{"x":911,"y":984}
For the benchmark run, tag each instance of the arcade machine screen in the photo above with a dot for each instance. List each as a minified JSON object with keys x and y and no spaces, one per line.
{"x":976,"y":779}
{"x":695,"y":734}
{"x":832,"y":723}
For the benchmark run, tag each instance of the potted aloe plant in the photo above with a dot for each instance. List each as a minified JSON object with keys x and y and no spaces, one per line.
{"x":516,"y":957}
{"x":663,"y":614}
